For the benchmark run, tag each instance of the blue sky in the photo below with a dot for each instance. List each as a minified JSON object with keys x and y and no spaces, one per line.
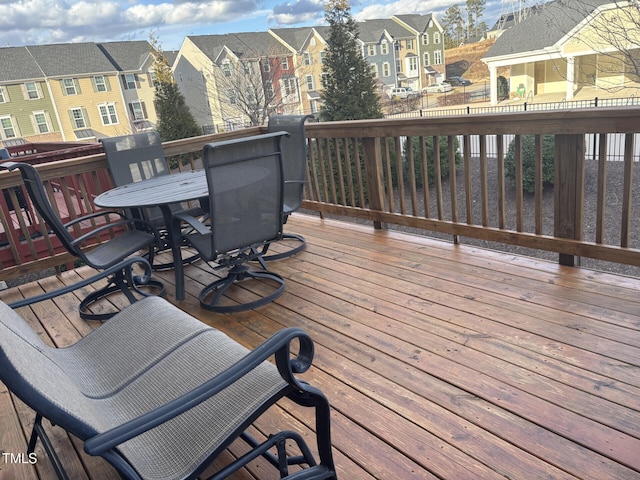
{"x":30,"y":22}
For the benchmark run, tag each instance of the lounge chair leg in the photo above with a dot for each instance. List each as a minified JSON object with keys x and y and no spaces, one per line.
{"x":38,"y":431}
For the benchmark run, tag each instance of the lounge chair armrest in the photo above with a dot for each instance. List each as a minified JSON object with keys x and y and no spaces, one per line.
{"x":278,"y":345}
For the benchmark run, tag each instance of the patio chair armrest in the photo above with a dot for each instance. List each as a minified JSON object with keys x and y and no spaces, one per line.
{"x":278,"y":345}
{"x":90,"y":216}
{"x":126,"y":263}
{"x":193,"y":222}
{"x":109,"y":226}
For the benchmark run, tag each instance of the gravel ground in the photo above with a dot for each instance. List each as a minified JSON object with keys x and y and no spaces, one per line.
{"x":613,"y":213}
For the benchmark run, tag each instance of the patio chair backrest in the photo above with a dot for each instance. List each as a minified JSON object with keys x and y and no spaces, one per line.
{"x":136,"y":157}
{"x":294,"y":157}
{"x":38,"y":196}
{"x":245,"y":191}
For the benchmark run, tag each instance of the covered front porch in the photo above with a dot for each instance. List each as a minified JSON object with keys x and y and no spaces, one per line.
{"x":440,"y":360}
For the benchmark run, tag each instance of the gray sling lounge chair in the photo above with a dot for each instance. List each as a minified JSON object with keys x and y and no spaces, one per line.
{"x":136,"y":157}
{"x":160,"y":395}
{"x":114,"y":258}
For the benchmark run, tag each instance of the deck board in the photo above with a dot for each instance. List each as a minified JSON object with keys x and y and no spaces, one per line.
{"x":440,"y":360}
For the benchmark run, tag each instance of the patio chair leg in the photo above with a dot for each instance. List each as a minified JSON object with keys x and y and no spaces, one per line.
{"x":288,"y":237}
{"x":235,"y":274}
{"x":117,"y":283}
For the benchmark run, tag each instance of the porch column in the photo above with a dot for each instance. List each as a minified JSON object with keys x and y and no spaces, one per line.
{"x":570,"y":77}
{"x":493,"y":85}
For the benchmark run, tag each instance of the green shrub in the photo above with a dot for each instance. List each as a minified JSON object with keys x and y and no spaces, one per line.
{"x":417,"y":159}
{"x":528,"y":161}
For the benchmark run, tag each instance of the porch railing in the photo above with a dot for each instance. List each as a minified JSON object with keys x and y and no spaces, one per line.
{"x":366,"y":170}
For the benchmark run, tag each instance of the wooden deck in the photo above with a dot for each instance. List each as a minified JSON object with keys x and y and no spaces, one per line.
{"x":440,"y":361}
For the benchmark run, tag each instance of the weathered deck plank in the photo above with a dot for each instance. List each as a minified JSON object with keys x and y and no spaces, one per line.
{"x":440,"y":361}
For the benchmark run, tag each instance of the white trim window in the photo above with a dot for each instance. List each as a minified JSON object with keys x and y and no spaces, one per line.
{"x":307,"y":58}
{"x":78,"y":118}
{"x":426,"y":58}
{"x":437,"y":57}
{"x":41,"y":122}
{"x":384,"y":48}
{"x":130,"y":81}
{"x":285,"y":63}
{"x":100,"y":83}
{"x":138,"y":110}
{"x":371,"y":50}
{"x":436,"y":37}
{"x":413,"y":65}
{"x":108,"y":114}
{"x":425,"y":39}
{"x":226,"y":68}
{"x":69,"y":86}
{"x":4,"y":97}
{"x":32,"y":90}
{"x":7,"y":127}
{"x":386,"y":69}
{"x":289,"y":85}
{"x":311,"y":84}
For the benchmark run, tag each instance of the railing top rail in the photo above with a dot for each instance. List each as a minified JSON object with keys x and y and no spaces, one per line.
{"x":578,"y":121}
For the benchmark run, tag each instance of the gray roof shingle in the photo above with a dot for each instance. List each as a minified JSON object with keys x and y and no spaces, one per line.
{"x":17,"y":64}
{"x":67,"y":59}
{"x":544,"y":28}
{"x":127,"y":56}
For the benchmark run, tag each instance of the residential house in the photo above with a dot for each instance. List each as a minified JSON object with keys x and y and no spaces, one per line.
{"x":134,"y":62}
{"x":376,"y":38}
{"x":563,"y":47}
{"x":232,"y":80}
{"x":84,"y":86}
{"x":308,"y":47}
{"x":429,"y":43}
{"x":27,"y":109}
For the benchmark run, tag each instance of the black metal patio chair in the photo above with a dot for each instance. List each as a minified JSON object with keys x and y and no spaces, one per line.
{"x":294,"y":163}
{"x":22,"y":202}
{"x":139,"y":156}
{"x":160,"y":395}
{"x":245,"y":183}
{"x":114,"y":259}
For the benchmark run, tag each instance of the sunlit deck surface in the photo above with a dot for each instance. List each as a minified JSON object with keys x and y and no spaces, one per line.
{"x":440,"y":361}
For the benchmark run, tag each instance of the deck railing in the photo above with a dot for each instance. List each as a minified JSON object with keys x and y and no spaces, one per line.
{"x":364,"y":170}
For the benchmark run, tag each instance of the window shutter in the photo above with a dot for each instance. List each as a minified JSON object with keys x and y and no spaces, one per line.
{"x":144,"y":110}
{"x":124,"y":82}
{"x":137,"y":80}
{"x":76,"y":83}
{"x":64,"y":90}
{"x":106,"y":82}
{"x":85,"y":114}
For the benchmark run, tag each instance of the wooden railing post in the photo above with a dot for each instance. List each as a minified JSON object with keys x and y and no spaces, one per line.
{"x":569,"y":191}
{"x":373,"y":170}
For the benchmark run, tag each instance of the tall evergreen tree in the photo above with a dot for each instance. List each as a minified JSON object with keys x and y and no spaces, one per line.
{"x":349,"y":87}
{"x":174,"y":118}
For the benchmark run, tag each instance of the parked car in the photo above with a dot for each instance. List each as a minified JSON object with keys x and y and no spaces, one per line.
{"x":458,"y":81}
{"x":402,"y":92}
{"x":440,"y":87}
